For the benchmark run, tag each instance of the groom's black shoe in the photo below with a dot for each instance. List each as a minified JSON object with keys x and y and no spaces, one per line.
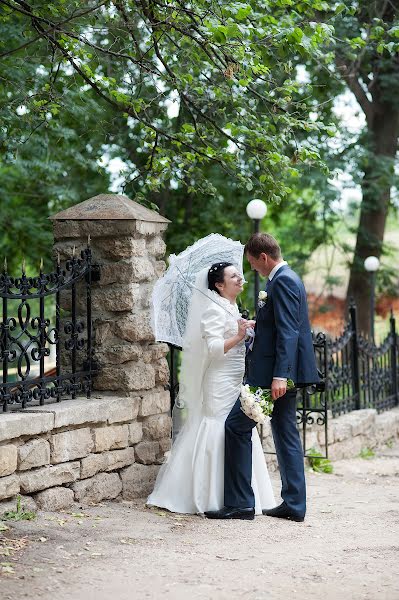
{"x":283,"y":512}
{"x":247,"y":514}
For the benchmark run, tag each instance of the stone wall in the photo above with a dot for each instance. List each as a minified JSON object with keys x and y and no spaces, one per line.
{"x":84,"y":450}
{"x":111,"y":445}
{"x":348,"y":434}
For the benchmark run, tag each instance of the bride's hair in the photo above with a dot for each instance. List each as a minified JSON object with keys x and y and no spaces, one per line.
{"x":216,"y":275}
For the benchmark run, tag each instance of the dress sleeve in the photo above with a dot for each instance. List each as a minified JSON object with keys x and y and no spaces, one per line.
{"x":212,"y":329}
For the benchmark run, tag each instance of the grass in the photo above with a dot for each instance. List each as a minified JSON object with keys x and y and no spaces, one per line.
{"x":367,"y":453}
{"x":19,"y":514}
{"x":317,"y":462}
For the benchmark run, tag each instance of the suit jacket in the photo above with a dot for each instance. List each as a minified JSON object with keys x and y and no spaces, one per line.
{"x":283,"y":344}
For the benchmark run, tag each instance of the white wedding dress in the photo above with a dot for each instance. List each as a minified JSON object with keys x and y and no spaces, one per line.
{"x":192,"y":479}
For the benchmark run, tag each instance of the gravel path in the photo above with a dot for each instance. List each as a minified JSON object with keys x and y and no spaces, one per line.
{"x":348,"y":548}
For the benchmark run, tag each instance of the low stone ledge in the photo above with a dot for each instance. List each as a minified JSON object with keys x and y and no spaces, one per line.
{"x":69,"y":445}
{"x":35,"y":453}
{"x":138,"y":481}
{"x":56,"y":498}
{"x":8,"y":460}
{"x":108,"y":461}
{"x":16,"y":425}
{"x":104,"y":486}
{"x":9,"y":486}
{"x":89,"y":410}
{"x":46,"y":477}
{"x":110,"y":438}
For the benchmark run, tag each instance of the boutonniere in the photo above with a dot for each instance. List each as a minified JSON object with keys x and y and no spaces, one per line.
{"x":262,"y":297}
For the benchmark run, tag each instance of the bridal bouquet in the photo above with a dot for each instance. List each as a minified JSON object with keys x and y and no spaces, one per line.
{"x":257,"y":403}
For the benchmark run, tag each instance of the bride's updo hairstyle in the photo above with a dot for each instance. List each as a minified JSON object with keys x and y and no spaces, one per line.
{"x":216,"y":275}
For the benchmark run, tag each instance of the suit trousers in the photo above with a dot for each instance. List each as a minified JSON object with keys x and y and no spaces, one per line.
{"x":238,"y":491}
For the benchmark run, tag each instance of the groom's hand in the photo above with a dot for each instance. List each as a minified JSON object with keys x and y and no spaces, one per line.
{"x":279,"y":388}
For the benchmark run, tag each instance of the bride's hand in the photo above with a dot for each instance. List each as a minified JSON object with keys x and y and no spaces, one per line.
{"x":251,"y":323}
{"x":242,"y":328}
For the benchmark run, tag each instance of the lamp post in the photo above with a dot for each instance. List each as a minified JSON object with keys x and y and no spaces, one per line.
{"x":371,"y":264}
{"x":256,"y":210}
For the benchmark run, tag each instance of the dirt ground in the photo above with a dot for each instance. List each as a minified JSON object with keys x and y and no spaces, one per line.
{"x":347,"y":548}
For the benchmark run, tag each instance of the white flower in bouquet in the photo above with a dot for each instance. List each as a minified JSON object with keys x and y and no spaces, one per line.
{"x":257,"y":403}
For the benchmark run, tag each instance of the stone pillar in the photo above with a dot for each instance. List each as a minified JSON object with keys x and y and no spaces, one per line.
{"x":127,"y":243}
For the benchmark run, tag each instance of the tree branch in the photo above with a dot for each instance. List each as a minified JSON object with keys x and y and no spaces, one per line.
{"x":350,"y":77}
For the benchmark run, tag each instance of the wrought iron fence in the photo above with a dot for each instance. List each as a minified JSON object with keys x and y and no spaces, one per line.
{"x":356,"y":373}
{"x":26,"y":340}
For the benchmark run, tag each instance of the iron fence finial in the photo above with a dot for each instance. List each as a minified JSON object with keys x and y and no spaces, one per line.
{"x":41,"y":265}
{"x":73,"y":251}
{"x":23,"y":266}
{"x":5,"y":264}
{"x":88,"y":240}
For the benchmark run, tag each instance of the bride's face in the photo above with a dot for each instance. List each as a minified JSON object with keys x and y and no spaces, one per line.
{"x":232,"y":284}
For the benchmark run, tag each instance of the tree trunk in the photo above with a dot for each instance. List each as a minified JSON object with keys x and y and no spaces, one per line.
{"x":376,"y":189}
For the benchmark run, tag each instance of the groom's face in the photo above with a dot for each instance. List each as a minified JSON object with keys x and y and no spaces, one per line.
{"x":260,"y":264}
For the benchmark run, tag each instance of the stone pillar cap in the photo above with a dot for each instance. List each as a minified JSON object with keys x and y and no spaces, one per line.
{"x":109,"y":207}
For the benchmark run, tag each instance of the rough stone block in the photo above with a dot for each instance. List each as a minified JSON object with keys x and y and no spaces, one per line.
{"x":102,"y":332}
{"x":56,"y":498}
{"x":68,"y":445}
{"x":123,"y":247}
{"x":157,"y":427}
{"x":135,"y":433}
{"x":26,"y":423}
{"x":134,"y":329}
{"x":160,"y":268}
{"x":8,"y":460}
{"x":109,"y":438}
{"x":116,"y":298}
{"x":159,"y":350}
{"x":165,"y":445}
{"x":9,"y":486}
{"x":119,"y":353}
{"x":103,"y":486}
{"x":156,"y":246}
{"x":123,"y":409}
{"x":117,"y":272}
{"x":147,"y":452}
{"x":349,"y":448}
{"x":138,"y":481}
{"x":35,"y":453}
{"x":116,"y":459}
{"x":40,"y":479}
{"x":162,"y":372}
{"x":340,"y":428}
{"x":92,"y":464}
{"x":130,"y":376}
{"x":154,"y":403}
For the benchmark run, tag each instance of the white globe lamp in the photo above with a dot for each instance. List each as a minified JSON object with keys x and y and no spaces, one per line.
{"x":371,"y":264}
{"x":256,"y":209}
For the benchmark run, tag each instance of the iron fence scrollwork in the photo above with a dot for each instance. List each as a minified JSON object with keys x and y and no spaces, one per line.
{"x":27,"y":334}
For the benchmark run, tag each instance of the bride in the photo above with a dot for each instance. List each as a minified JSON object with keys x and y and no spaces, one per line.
{"x":212,"y":369}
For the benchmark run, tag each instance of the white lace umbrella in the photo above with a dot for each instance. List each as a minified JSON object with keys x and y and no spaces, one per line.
{"x":172,"y":293}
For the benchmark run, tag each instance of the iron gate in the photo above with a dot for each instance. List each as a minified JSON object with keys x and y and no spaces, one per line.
{"x":27,"y":334}
{"x":356,"y":374}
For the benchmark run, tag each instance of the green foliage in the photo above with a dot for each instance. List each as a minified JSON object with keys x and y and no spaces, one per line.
{"x":367,"y":453}
{"x":19,"y":514}
{"x":317,"y":463}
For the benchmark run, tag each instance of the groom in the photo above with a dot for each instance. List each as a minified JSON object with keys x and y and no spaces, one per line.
{"x":282,"y":349}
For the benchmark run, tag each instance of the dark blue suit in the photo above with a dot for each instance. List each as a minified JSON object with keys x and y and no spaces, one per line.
{"x":282,"y":348}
